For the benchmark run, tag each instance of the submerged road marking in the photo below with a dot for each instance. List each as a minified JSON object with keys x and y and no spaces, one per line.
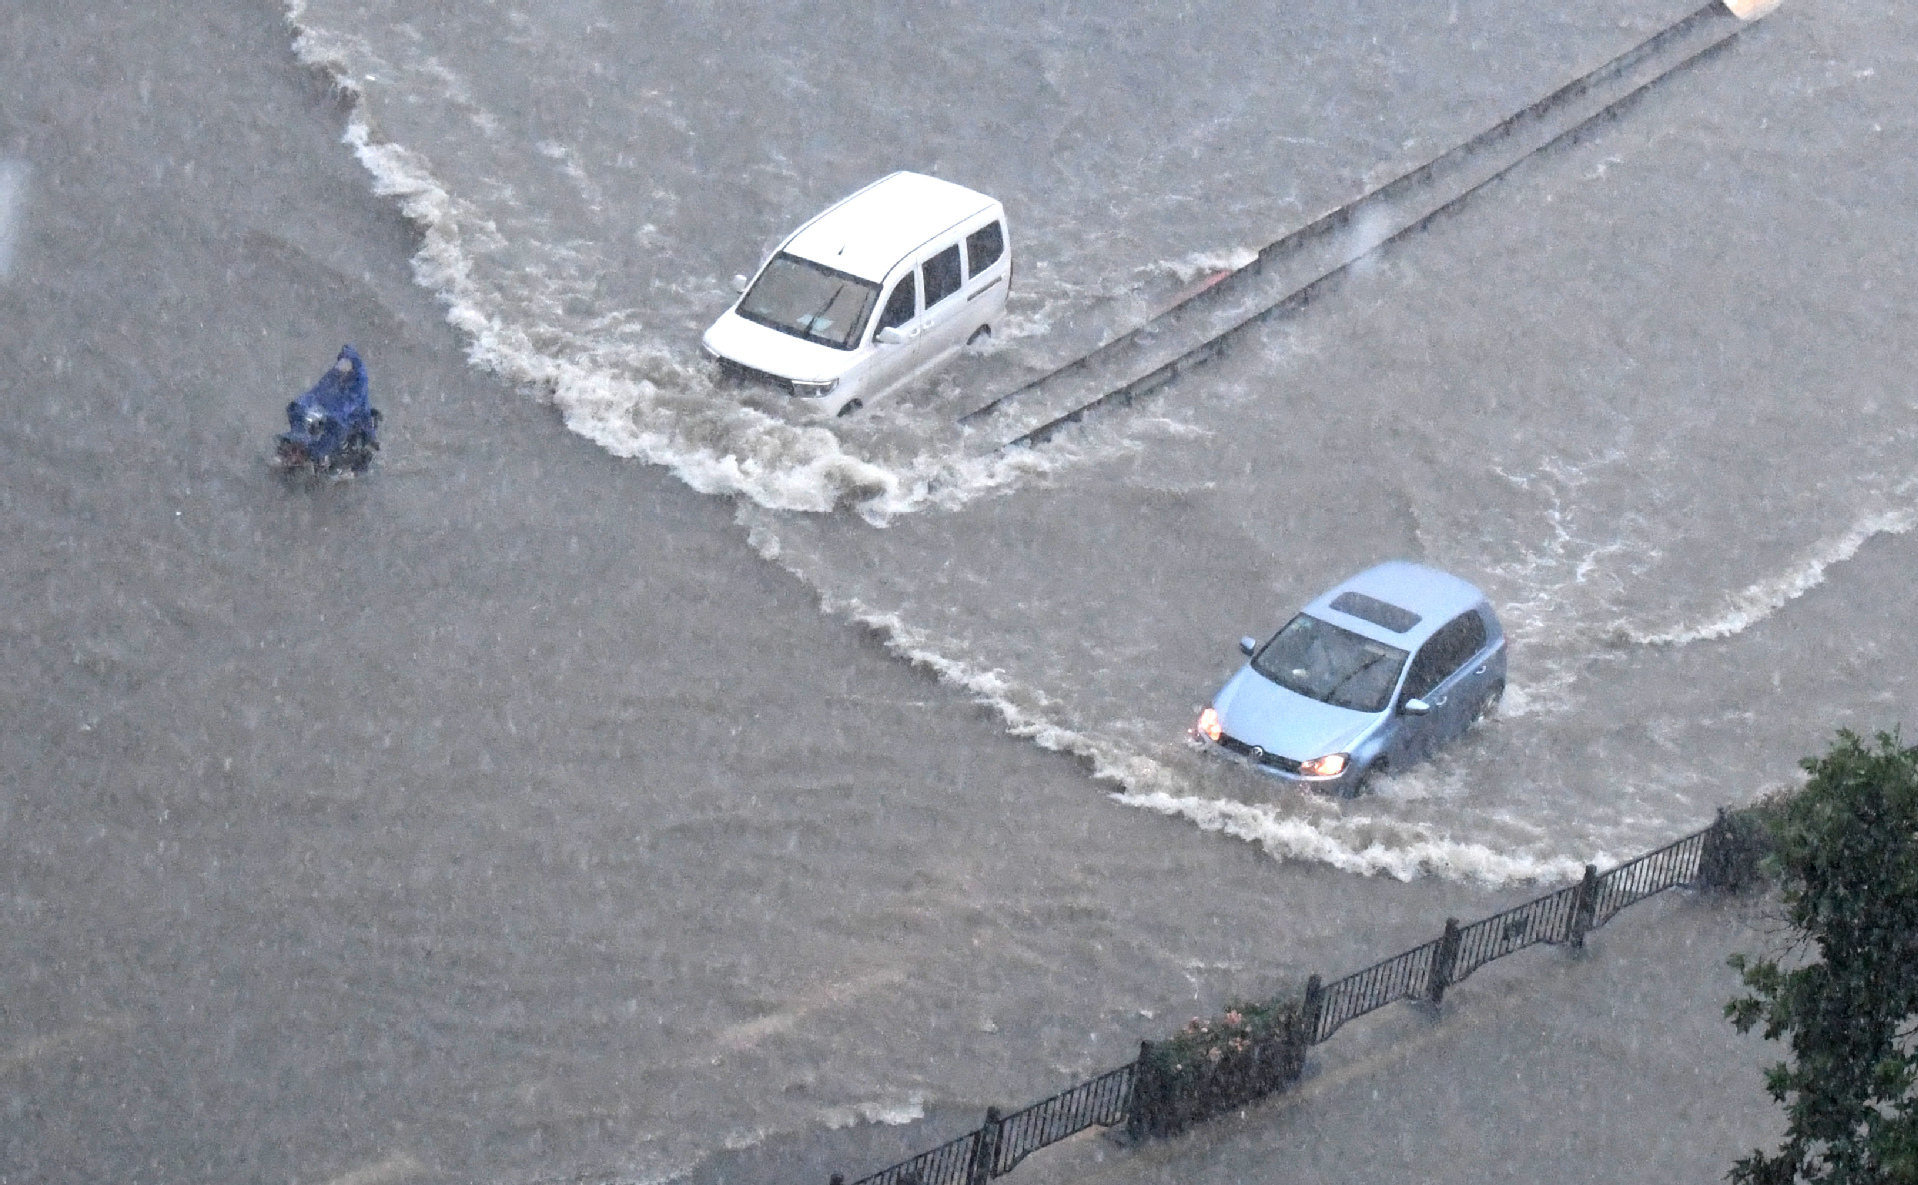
{"x":39,"y":1049}
{"x":397,"y":1167}
{"x":743,"y":1036}
{"x":13,"y":191}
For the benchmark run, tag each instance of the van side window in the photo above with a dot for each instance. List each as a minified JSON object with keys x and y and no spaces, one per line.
{"x":901,"y":305}
{"x":984,"y":247}
{"x":942,"y":275}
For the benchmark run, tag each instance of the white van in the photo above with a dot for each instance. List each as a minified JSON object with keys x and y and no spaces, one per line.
{"x":879,"y":289}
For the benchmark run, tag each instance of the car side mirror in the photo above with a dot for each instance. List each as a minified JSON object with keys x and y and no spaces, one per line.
{"x":1414,"y":707}
{"x":1247,"y":646}
{"x":739,"y":283}
{"x":891,"y":335}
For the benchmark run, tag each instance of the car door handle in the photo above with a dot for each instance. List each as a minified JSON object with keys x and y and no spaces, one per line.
{"x":1481,"y":670}
{"x":1440,"y":701}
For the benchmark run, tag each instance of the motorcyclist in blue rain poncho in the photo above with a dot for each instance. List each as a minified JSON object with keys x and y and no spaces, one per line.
{"x":332,"y":428}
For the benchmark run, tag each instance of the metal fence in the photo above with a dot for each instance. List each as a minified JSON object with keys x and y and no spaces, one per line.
{"x":1654,"y":872}
{"x":1405,"y":976}
{"x":1721,"y":856}
{"x":998,"y":1146}
{"x":1098,"y":1103}
{"x":1102,"y":1102}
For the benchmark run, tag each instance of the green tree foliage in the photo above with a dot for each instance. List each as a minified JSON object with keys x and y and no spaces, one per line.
{"x":1846,"y":859}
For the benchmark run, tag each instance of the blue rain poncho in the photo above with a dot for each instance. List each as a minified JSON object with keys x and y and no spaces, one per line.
{"x":333,"y":425}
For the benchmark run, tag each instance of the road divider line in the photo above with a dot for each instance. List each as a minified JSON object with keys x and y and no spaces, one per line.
{"x":63,"y":1041}
{"x":1288,"y":274}
{"x":400,"y":1166}
{"x":750,"y":1033}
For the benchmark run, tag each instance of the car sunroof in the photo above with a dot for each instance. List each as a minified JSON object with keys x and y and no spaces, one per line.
{"x":1375,"y":611}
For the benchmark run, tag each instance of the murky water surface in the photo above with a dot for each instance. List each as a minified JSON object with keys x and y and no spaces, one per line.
{"x":312,"y":828}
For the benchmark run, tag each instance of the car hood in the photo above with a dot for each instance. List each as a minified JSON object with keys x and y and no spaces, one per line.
{"x":1259,"y":712}
{"x":752,"y":344}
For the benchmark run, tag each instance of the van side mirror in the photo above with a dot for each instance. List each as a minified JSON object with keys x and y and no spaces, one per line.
{"x":1414,"y":707}
{"x":1247,"y":646}
{"x":739,"y":283}
{"x":891,"y":335}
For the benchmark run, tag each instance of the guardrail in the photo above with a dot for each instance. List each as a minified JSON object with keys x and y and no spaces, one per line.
{"x":1289,"y":273}
{"x":1259,"y":1049}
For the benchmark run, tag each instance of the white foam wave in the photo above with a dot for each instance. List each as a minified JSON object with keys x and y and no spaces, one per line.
{"x":1204,"y":263}
{"x":1758,"y":601}
{"x":1563,"y":578}
{"x":635,"y":400}
{"x":1358,"y":843}
{"x":639,"y":401}
{"x":1352,"y":843}
{"x":892,"y":1113}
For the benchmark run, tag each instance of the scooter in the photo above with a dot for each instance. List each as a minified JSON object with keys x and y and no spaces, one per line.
{"x":332,"y":428}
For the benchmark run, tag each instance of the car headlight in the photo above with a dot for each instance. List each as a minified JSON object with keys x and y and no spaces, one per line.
{"x":1209,"y":726}
{"x":1329,"y":766}
{"x":814,"y":390}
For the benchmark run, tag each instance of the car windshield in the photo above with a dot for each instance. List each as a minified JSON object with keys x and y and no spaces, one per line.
{"x":809,"y":300}
{"x":1331,"y":665}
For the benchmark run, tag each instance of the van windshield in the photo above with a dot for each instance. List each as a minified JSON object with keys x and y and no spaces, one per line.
{"x":808,"y":300}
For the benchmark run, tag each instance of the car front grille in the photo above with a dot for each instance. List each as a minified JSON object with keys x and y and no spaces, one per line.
{"x":1233,"y":744}
{"x":746,"y":374}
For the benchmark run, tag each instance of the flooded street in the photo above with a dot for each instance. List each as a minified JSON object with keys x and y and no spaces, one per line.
{"x":623,"y":777}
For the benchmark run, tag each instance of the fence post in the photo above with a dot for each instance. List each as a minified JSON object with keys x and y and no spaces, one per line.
{"x":1145,"y":1094}
{"x":1730,"y":852}
{"x":1711,"y":854}
{"x":985,"y":1150}
{"x":1584,"y":909}
{"x":1299,"y":1031}
{"x":1444,"y":959}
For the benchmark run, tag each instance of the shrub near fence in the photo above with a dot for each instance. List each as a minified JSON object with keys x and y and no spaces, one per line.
{"x":1258,"y":1049}
{"x":1215,"y":1065}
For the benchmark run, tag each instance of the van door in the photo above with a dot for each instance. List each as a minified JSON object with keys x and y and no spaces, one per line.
{"x":893,"y":361}
{"x":988,"y":273}
{"x":945,"y":320}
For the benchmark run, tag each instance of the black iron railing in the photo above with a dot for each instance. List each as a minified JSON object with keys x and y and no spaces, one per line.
{"x":1654,"y":872}
{"x":1102,"y":1102}
{"x":1153,"y":1098}
{"x":1405,"y":976}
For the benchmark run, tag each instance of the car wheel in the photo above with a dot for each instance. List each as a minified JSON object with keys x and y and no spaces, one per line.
{"x":983,"y":333}
{"x":849,"y":407}
{"x":1363,"y":785}
{"x":1488,"y":707}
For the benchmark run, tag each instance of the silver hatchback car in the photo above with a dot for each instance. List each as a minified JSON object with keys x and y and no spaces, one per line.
{"x":1371,"y":676}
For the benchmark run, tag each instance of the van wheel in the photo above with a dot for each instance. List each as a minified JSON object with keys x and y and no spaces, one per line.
{"x":850,"y":406}
{"x":983,"y":333}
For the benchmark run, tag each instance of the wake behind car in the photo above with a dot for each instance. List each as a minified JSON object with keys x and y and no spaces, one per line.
{"x":1371,"y":676}
{"x":874,"y":292}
